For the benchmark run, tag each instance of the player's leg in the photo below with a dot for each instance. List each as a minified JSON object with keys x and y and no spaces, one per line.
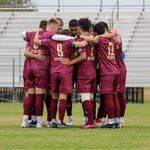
{"x":62,"y":108}
{"x":93,"y":96}
{"x":84,"y":88}
{"x":85,"y":98}
{"x":65,"y":88}
{"x":116,"y":101}
{"x":48,"y":107}
{"x":28,"y":104}
{"x":101,"y":114}
{"x":55,"y":97}
{"x":107,"y":94}
{"x":39,"y":106}
{"x":69,"y":109}
{"x":54,"y":103}
{"x":69,"y":98}
{"x":121,"y":94}
{"x":41,"y":84}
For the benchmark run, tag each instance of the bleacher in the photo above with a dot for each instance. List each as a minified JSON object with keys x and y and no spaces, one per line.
{"x":134,"y":27}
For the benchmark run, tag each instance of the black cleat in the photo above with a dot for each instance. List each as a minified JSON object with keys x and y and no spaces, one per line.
{"x":113,"y":126}
{"x":62,"y":125}
{"x":117,"y":125}
{"x":54,"y":125}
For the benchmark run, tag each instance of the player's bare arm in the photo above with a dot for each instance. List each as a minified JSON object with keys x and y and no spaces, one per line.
{"x":28,"y":54}
{"x":108,"y":35}
{"x":79,"y":59}
{"x":36,"y":38}
{"x":79,"y":44}
{"x":90,"y":39}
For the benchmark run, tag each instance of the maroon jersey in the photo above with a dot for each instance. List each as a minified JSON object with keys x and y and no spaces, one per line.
{"x":87,"y":68}
{"x":106,"y":57}
{"x":36,"y":49}
{"x":118,"y":52}
{"x":59,"y":51}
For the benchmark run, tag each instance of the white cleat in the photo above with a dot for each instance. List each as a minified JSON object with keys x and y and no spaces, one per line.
{"x":69,"y":123}
{"x":39,"y":125}
{"x":48,"y":124}
{"x":24,"y":124}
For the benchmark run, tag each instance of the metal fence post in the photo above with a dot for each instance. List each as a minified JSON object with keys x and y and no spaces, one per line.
{"x":118,"y":10}
{"x":13,"y":79}
{"x":143,"y":5}
{"x":58,"y":9}
{"x":101,"y":5}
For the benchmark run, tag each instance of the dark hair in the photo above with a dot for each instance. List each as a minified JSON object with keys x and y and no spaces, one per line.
{"x":85,"y":24}
{"x":99,"y":28}
{"x":65,"y":32}
{"x":73,"y":23}
{"x":105,"y":24}
{"x":43,"y":24}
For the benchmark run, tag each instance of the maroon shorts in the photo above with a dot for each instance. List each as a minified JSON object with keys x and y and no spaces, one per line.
{"x":61,"y":83}
{"x":122,"y":80}
{"x":109,"y":84}
{"x":37,"y":78}
{"x":86,"y":85}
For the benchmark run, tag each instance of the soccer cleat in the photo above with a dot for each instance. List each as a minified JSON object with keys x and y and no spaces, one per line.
{"x":121,"y":124}
{"x":113,"y":126}
{"x":98,"y":123}
{"x":48,"y":124}
{"x":54,"y":123}
{"x":69,"y":123}
{"x":118,"y":125}
{"x":88,"y":126}
{"x":32,"y":124}
{"x":39,"y":125}
{"x":62,"y":125}
{"x":24,"y":124}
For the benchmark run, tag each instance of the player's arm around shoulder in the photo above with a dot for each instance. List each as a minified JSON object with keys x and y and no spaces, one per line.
{"x":90,"y":38}
{"x":36,"y":38}
{"x":29,"y":54}
{"x":81,"y":44}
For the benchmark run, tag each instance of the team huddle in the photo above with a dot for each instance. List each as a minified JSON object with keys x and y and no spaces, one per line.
{"x":59,"y":61}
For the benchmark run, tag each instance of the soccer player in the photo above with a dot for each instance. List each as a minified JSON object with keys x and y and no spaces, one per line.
{"x":122,"y":81}
{"x":38,"y":72}
{"x":86,"y":74}
{"x":61,"y":75}
{"x":109,"y":73}
{"x":42,"y":25}
{"x":116,"y":39}
{"x":74,"y":31}
{"x":61,"y":25}
{"x":74,"y":27}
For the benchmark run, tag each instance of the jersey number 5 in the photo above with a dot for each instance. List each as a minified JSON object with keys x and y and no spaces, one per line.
{"x":60,"y":50}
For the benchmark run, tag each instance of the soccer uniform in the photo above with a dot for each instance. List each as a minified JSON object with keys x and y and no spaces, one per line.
{"x":109,"y":78}
{"x":109,"y":71}
{"x":122,"y":82}
{"x":37,"y":75}
{"x":122,"y":68}
{"x":61,"y":75}
{"x":86,"y":71}
{"x":38,"y":71}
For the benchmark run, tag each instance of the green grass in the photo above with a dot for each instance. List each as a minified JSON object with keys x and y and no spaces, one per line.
{"x":134,"y":136}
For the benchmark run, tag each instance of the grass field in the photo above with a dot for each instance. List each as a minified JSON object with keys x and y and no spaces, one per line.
{"x":134,"y":136}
